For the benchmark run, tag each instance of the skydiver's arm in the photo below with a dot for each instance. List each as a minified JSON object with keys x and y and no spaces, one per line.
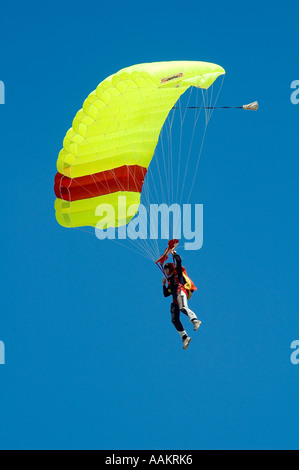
{"x":178,"y":263}
{"x":166,"y":291}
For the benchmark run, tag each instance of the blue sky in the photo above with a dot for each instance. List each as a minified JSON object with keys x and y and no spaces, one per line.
{"x":92,"y":360}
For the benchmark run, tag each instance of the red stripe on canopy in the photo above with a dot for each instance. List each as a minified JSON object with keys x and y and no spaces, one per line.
{"x":124,"y":178}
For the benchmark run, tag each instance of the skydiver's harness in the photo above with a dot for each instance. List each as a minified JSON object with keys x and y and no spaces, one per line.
{"x":187,"y":286}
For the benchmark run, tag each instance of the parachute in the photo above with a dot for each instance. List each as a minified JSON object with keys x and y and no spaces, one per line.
{"x":107,"y":151}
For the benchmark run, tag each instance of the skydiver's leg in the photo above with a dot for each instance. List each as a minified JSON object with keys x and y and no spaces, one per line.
{"x":175,"y":320}
{"x":183,"y":306}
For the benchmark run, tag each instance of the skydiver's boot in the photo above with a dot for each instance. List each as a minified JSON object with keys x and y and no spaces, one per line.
{"x":186,"y":342}
{"x":196,"y":324}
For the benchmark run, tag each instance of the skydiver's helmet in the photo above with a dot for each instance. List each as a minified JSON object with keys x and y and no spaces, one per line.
{"x":169,"y":266}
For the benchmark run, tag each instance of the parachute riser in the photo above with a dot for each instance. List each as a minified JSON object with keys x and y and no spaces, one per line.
{"x":170,"y":246}
{"x":162,"y":271}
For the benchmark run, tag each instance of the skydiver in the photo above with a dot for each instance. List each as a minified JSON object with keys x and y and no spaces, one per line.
{"x":179,"y":304}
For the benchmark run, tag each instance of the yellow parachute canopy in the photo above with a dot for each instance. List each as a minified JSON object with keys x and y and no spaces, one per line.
{"x":113,"y":138}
